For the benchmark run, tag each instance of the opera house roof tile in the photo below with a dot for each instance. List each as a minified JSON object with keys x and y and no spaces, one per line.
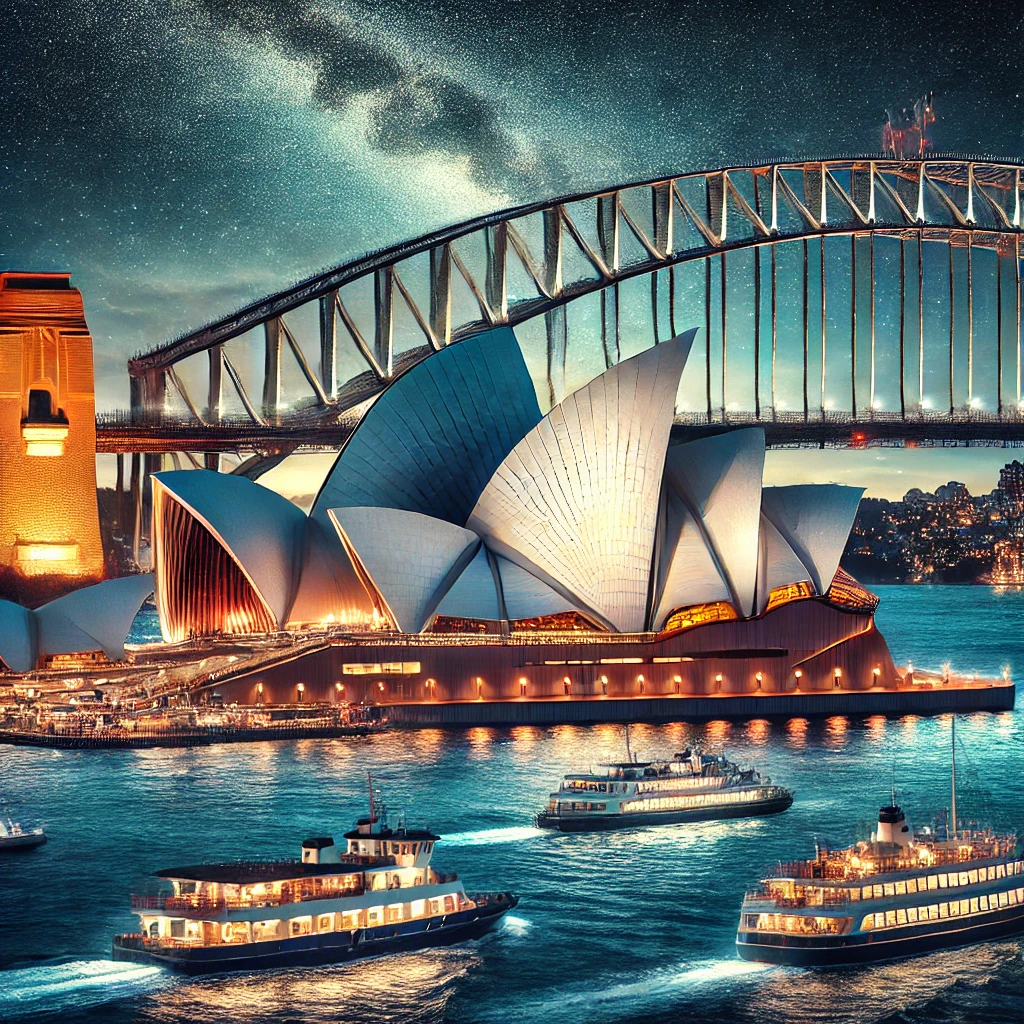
{"x":431,"y":441}
{"x":719,"y":480}
{"x":473,"y":595}
{"x":96,"y":618}
{"x":814,"y":520}
{"x":410,"y":559}
{"x":578,"y":496}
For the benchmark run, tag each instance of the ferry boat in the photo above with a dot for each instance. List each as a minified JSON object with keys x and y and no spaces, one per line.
{"x":14,"y":837}
{"x":380,"y":895}
{"x":691,"y":787}
{"x":897,"y":895}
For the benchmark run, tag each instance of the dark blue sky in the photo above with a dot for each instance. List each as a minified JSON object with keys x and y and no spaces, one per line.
{"x":184,"y":157}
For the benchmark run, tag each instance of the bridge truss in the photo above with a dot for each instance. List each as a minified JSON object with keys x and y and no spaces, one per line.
{"x":842,"y":301}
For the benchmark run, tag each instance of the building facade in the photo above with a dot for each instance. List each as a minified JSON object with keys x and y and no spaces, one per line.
{"x":49,"y":522}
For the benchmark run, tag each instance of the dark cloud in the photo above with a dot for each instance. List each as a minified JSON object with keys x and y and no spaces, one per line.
{"x":411,"y":112}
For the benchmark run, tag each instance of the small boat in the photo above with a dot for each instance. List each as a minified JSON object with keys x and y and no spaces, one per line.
{"x":691,"y":787}
{"x":375,"y":896}
{"x":899,"y":894}
{"x":14,"y":837}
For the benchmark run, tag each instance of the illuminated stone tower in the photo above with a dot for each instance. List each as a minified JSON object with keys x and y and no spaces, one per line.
{"x":49,"y":521}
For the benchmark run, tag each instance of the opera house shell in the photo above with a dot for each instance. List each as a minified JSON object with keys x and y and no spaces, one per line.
{"x":467,"y":546}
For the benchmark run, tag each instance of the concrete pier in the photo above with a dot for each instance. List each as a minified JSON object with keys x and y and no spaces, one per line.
{"x":575,"y":710}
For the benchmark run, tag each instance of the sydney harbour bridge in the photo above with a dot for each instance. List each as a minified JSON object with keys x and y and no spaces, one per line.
{"x":842,"y":302}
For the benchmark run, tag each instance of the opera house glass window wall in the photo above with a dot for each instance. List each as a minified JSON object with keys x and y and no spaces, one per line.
{"x":458,"y":518}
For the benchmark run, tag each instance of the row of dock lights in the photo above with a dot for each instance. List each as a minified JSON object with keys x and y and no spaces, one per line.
{"x":677,"y":681}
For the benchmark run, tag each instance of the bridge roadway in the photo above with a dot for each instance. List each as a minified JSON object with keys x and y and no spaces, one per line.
{"x":834,"y":431}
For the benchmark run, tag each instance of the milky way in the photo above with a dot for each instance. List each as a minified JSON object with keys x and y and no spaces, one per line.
{"x":182,"y":158}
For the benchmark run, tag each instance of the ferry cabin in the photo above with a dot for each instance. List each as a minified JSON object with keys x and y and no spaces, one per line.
{"x":382,"y":879}
{"x":890,"y":897}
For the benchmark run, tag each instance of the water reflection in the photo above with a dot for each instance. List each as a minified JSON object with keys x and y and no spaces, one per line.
{"x":796,"y":732}
{"x":758,"y":731}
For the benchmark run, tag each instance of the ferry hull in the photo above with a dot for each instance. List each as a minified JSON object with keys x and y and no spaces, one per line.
{"x":604,"y":822}
{"x":21,"y":843}
{"x":318,"y":950}
{"x":893,"y":944}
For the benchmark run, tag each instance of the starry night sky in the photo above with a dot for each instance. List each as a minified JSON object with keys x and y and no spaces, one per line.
{"x":184,"y":157}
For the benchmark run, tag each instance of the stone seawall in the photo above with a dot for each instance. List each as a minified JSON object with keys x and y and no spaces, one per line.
{"x":924,"y":701}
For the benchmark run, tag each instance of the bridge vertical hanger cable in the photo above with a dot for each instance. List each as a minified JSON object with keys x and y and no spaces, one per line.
{"x":707,"y":331}
{"x":725,"y":353}
{"x":1016,"y":279}
{"x":999,"y":333}
{"x":757,"y":311}
{"x":952,"y":328}
{"x":775,"y":331}
{"x":903,"y":326}
{"x":853,"y":325}
{"x":920,"y":321}
{"x":824,"y":331}
{"x":871,"y":264}
{"x":806,"y":329}
{"x":970,"y":320}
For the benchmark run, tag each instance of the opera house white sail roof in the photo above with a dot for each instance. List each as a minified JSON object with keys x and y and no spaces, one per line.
{"x":456,"y":497}
{"x":96,"y":618}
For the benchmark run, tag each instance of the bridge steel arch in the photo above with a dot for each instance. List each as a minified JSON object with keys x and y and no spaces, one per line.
{"x":818,"y":269}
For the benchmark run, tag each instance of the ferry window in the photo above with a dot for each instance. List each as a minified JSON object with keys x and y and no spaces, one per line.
{"x":911,"y":885}
{"x":972,"y":877}
{"x":982,"y":902}
{"x":177,"y":929}
{"x":942,"y":881}
{"x":901,"y":917}
{"x":965,"y":906}
{"x":301,"y":925}
{"x":866,"y":892}
{"x":901,"y":888}
{"x":878,"y":892}
{"x":1000,"y":871}
{"x":890,"y":917}
{"x":964,"y":877}
{"x":325,"y":923}
{"x":394,"y":913}
{"x":933,"y":882}
{"x":602,"y":788}
{"x":943,"y":910}
{"x":879,"y":920}
{"x":912,"y":914}
{"x":1003,"y":899}
{"x":890,"y":889}
{"x":1012,"y":897}
{"x":933,"y":912}
{"x":449,"y":904}
{"x":374,"y":915}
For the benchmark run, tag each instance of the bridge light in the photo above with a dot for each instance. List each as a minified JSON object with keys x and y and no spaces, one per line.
{"x":976,"y":403}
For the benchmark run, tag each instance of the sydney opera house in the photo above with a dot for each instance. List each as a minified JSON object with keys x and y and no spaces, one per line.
{"x":466,"y":547}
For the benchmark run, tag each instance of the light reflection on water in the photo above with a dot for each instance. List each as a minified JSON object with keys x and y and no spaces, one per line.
{"x":611,"y":927}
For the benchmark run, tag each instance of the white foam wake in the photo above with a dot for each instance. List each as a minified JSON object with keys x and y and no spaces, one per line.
{"x":514,"y":834}
{"x":53,"y":987}
{"x":652,"y":987}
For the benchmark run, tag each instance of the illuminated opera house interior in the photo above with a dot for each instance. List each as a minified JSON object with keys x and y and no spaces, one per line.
{"x":466,"y":546}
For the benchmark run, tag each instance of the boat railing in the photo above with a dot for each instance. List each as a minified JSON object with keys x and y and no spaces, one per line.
{"x":818,"y":898}
{"x":199,"y":905}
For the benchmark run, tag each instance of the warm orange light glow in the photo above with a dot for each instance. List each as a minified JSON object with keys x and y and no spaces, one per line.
{"x":301,"y":687}
{"x":47,"y":552}
{"x":49,"y":523}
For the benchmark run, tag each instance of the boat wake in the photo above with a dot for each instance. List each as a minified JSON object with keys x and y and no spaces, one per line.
{"x":656,"y":988}
{"x":56,"y":987}
{"x":487,"y":836}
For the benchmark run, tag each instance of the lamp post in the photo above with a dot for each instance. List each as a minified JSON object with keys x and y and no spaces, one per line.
{"x":302,"y":692}
{"x":678,"y":681}
{"x":759,"y":679}
{"x":479,"y":688}
{"x":567,"y":686}
{"x":798,"y":675}
{"x":640,"y":681}
{"x":339,"y":689}
{"x":604,"y":686}
{"x":259,"y":693}
{"x":522,"y":686}
{"x":718,"y":683}
{"x":837,"y":676}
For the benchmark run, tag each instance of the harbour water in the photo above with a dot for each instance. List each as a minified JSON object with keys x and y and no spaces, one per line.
{"x":614,"y":927}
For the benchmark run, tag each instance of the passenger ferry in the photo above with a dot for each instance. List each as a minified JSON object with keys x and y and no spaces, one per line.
{"x":378,"y":896}
{"x":691,"y":787}
{"x":897,"y":895}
